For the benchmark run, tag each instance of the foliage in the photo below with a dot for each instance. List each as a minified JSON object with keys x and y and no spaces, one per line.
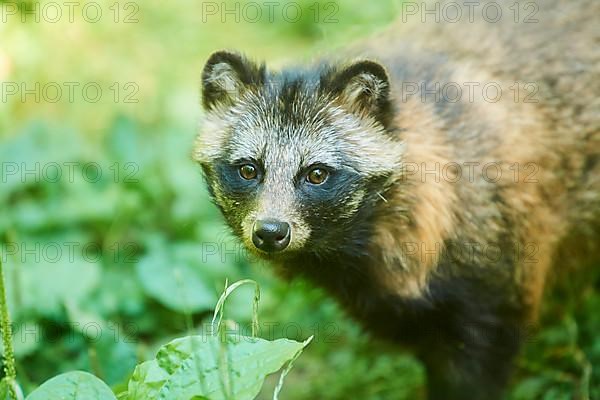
{"x":214,"y":366}
{"x":207,"y":366}
{"x":142,"y":252}
{"x":76,"y":385}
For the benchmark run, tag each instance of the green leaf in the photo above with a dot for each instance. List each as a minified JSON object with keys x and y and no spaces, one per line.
{"x":530,"y":388}
{"x":124,"y":142}
{"x":118,"y":292}
{"x":173,"y":276}
{"x":146,"y":381}
{"x":43,"y":273}
{"x":75,"y":385}
{"x":205,"y":366}
{"x":116,"y":359}
{"x":49,"y":286}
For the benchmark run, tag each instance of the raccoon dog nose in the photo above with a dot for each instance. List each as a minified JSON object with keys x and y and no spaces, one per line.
{"x":271,"y":235}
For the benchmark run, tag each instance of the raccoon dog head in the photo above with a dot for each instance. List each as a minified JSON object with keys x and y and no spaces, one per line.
{"x":297,"y":160}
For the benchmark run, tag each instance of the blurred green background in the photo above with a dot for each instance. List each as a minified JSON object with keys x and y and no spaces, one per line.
{"x":110,"y":243}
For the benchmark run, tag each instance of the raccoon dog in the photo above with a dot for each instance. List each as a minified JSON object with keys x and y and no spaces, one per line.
{"x":429,"y":179}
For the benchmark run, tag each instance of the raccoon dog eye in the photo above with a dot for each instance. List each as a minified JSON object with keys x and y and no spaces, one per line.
{"x":248,"y":171}
{"x":317,"y":176}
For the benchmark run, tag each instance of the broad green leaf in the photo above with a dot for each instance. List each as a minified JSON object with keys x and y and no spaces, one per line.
{"x":205,"y":366}
{"x":50,"y":273}
{"x":124,"y":142}
{"x":26,"y":156}
{"x":51,"y":285}
{"x":116,"y":359}
{"x":75,"y":385}
{"x":530,"y":388}
{"x":146,"y":381}
{"x":26,"y":338}
{"x":174,"y":276}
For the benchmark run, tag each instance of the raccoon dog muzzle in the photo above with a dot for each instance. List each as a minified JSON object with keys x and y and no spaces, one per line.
{"x":271,"y":235}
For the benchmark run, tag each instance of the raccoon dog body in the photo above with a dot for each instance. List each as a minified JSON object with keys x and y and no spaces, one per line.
{"x":430,"y":185}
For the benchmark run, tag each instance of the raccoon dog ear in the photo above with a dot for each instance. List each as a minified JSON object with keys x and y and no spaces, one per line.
{"x":364,"y":88}
{"x":226,"y":76}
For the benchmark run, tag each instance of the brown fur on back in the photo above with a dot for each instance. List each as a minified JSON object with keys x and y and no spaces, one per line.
{"x":552,"y":138}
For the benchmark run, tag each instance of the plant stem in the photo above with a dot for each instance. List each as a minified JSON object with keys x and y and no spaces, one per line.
{"x":9,"y":354}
